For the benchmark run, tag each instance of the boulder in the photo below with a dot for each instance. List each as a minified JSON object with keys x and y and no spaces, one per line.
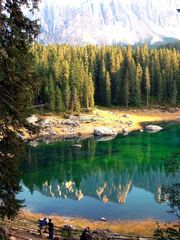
{"x":32,"y":120}
{"x":96,"y":119}
{"x":153,"y":128}
{"x":172,"y":110}
{"x":129,"y":123}
{"x":105,"y":131}
{"x":12,"y":238}
{"x":44,"y":123}
{"x":68,"y":227}
{"x":20,"y":136}
{"x":83,"y":119}
{"x":99,"y":235}
{"x":125,"y":130}
{"x":71,"y":123}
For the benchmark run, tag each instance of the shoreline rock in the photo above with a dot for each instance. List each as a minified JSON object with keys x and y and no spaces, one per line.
{"x":153,"y":128}
{"x":105,"y":131}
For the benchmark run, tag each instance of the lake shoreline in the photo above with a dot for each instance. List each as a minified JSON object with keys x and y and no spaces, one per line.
{"x":123,"y":121}
{"x":144,"y":228}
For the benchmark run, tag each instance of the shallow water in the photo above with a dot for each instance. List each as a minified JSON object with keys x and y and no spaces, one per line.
{"x":117,"y":179}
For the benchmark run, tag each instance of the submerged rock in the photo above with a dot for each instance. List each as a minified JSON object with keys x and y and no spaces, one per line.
{"x":153,"y":128}
{"x":34,"y":143}
{"x":104,"y":138}
{"x":105,"y":131}
{"x":77,"y":145}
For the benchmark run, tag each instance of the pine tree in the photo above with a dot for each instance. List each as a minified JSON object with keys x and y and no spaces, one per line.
{"x":166,"y":65}
{"x":17,"y":78}
{"x":51,"y":91}
{"x":132,"y":77}
{"x":112,"y":72}
{"x":17,"y":32}
{"x":174,"y":93}
{"x":138,"y":79}
{"x":147,"y":85}
{"x":11,"y":150}
{"x":65,"y":84}
{"x":108,"y":89}
{"x":174,"y":77}
{"x":144,"y":61}
{"x":75,"y":103}
{"x":160,"y":88}
{"x":91,"y":91}
{"x":59,"y":106}
{"x":126,"y":89}
{"x":88,"y":91}
{"x":101,"y":82}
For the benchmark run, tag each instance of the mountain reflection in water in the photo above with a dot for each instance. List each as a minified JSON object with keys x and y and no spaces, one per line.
{"x":112,"y":172}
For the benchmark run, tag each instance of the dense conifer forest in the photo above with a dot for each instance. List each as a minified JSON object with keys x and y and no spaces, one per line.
{"x":71,"y":78}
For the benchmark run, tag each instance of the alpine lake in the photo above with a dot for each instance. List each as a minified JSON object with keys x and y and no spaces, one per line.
{"x":121,"y":178}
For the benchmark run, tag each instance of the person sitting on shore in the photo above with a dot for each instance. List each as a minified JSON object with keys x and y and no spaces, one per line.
{"x":85,"y":234}
{"x":43,"y":223}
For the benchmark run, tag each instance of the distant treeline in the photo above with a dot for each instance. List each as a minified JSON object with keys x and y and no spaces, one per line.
{"x":71,"y":78}
{"x":172,"y":45}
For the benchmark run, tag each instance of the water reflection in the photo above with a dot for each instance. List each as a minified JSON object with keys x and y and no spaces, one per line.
{"x":106,"y":171}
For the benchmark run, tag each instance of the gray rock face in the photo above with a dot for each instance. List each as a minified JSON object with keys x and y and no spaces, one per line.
{"x":153,"y":128}
{"x":108,"y":21}
{"x":105,"y":131}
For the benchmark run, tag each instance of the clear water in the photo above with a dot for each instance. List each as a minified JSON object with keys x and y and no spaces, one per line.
{"x":117,"y":179}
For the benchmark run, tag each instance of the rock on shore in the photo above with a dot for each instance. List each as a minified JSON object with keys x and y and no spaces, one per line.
{"x":105,"y":131}
{"x":153,"y":128}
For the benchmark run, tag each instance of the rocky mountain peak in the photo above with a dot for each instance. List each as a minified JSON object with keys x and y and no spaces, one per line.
{"x":109,"y":21}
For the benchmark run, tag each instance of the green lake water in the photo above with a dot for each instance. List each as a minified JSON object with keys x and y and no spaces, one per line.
{"x":117,"y":179}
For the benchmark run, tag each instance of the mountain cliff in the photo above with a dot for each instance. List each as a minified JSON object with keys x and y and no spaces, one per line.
{"x":109,"y":21}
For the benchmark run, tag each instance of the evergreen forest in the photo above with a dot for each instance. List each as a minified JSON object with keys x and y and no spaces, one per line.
{"x":72,"y":78}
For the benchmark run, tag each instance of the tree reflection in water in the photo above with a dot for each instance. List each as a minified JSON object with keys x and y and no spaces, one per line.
{"x":11,"y":149}
{"x":171,"y":194}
